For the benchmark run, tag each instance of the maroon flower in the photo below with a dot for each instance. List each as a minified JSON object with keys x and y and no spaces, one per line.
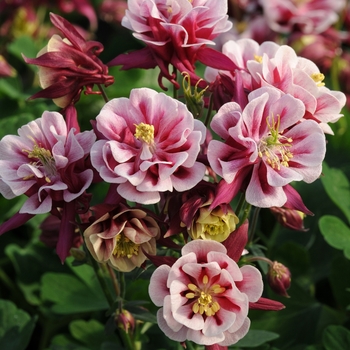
{"x":68,"y":65}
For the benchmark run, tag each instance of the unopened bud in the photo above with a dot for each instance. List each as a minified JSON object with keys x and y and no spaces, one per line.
{"x":290,"y":218}
{"x":125,"y":321}
{"x":279,"y":278}
{"x":77,"y":254}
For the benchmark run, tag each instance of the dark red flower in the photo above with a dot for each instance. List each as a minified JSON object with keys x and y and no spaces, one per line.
{"x":68,"y":65}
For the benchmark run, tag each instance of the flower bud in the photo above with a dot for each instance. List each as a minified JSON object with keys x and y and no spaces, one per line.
{"x":290,"y":218}
{"x":77,"y":254}
{"x":125,"y":321}
{"x":279,"y":278}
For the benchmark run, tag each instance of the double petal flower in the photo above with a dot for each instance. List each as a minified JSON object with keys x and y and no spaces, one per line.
{"x":47,"y":163}
{"x":176,"y":32}
{"x":149,"y":144}
{"x":204,"y":296}
{"x":265,"y":147}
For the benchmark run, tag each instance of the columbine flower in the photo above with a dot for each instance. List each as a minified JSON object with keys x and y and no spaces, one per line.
{"x":175,"y":32}
{"x":273,"y":65}
{"x":68,"y":65}
{"x":265,"y":147}
{"x":279,"y":66}
{"x":192,"y":210}
{"x":151,"y":145}
{"x":46,"y":162}
{"x":312,"y":16}
{"x":121,"y":236}
{"x":204,"y":296}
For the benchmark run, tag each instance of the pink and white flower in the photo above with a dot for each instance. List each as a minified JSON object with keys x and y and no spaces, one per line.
{"x":311,"y":16}
{"x":204,"y":296}
{"x":266,"y":146}
{"x":175,"y":32}
{"x":150,"y":145}
{"x":270,"y":64}
{"x":46,"y":162}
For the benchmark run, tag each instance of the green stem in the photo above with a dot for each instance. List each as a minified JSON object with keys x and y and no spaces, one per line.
{"x":103,"y":93}
{"x":240,"y":204}
{"x":246,"y":213}
{"x":102,"y":281}
{"x":128,"y":343}
{"x":210,"y":109}
{"x":114,"y":280}
{"x":254,"y":224}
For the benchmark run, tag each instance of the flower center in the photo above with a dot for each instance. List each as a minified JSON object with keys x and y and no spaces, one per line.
{"x":205,"y":297}
{"x":215,"y":229}
{"x":318,"y":79}
{"x":144,"y":132}
{"x":44,"y":159}
{"x":125,"y":247}
{"x":258,"y":58}
{"x":275,"y":147}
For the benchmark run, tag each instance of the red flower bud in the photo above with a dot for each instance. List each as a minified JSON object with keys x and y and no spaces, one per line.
{"x":125,"y":321}
{"x":279,"y":278}
{"x":290,"y":218}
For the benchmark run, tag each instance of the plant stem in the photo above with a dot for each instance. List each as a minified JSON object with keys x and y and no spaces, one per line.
{"x":210,"y":108}
{"x":128,"y":343}
{"x":240,"y":204}
{"x":103,"y":93}
{"x":102,"y":281}
{"x":254,"y":223}
{"x":114,"y":280}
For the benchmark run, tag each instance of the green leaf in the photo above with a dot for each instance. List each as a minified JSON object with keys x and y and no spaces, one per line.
{"x":16,"y":327}
{"x":340,"y":283}
{"x":338,"y":188}
{"x":10,"y":88}
{"x":90,"y":333}
{"x":336,"y":233}
{"x":70,"y":295}
{"x":10,"y":125}
{"x":256,"y":338}
{"x":336,"y":338}
{"x":30,"y":263}
{"x":23,"y":44}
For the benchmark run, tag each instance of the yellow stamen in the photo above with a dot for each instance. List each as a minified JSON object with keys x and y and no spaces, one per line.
{"x":124,"y":247}
{"x":258,"y":58}
{"x":276,"y":153}
{"x":144,"y":132}
{"x":205,"y":304}
{"x":42,"y":158}
{"x":318,"y":79}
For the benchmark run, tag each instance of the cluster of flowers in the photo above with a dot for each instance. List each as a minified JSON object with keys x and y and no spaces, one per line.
{"x":271,"y":113}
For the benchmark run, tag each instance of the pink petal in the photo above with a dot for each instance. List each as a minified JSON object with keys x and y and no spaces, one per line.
{"x":252,"y":284}
{"x":157,"y":289}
